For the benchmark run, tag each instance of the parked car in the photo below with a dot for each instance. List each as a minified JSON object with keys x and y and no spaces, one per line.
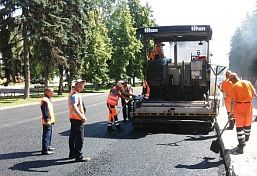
{"x":37,"y":81}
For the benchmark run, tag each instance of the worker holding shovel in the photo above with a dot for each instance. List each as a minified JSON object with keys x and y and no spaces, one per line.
{"x":112,"y":102}
{"x":225,"y":88}
{"x":242,"y":93}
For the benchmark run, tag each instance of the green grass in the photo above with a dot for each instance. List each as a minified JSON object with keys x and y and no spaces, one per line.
{"x":19,"y":100}
{"x":7,"y":101}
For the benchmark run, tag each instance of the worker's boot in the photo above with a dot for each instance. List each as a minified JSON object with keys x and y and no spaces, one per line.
{"x":109,"y":128}
{"x":243,"y":144}
{"x":231,"y":125}
{"x":240,"y":146}
{"x":118,"y":127}
{"x":240,"y":149}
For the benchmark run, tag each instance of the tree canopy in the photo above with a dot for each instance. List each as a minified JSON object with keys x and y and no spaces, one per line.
{"x":90,"y":39}
{"x":243,"y":53}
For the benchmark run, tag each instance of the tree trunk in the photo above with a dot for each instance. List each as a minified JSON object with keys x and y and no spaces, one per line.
{"x":134,"y":80}
{"x":70,"y":80}
{"x":46,"y":72}
{"x":26,"y":57}
{"x":14,"y":72}
{"x":60,"y":87}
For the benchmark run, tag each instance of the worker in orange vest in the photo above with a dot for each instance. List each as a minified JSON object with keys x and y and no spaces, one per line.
{"x":77,"y":118}
{"x":156,"y":52}
{"x":47,"y":120}
{"x":242,"y":94}
{"x":225,"y":88}
{"x":146,"y":90}
{"x":112,"y":102}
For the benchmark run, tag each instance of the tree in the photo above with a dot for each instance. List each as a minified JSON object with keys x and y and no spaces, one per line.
{"x":125,"y":44}
{"x":7,"y":27}
{"x":98,"y":50}
{"x":236,"y":54}
{"x":49,"y":35}
{"x":243,"y":55}
{"x":142,"y":17}
{"x":77,"y":34}
{"x":52,"y":37}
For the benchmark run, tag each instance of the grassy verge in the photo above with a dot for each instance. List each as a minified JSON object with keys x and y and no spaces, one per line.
{"x":19,"y":100}
{"x":8,"y":101}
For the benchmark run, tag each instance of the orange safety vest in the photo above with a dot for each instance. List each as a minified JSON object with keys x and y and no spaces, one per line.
{"x":73,"y":114}
{"x":113,"y":98}
{"x":242,"y":91}
{"x":152,"y":55}
{"x":50,"y":108}
{"x":226,"y":87}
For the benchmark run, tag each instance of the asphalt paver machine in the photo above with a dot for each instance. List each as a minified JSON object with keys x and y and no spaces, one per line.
{"x":181,"y":81}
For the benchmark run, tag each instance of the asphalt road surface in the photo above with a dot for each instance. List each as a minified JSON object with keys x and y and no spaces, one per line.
{"x":147,"y":152}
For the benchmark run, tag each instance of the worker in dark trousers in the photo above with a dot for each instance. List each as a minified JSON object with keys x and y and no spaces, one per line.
{"x":127,"y":92}
{"x":77,"y":119}
{"x":47,"y":120}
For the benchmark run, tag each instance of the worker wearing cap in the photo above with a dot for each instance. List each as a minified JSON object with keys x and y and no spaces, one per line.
{"x":225,"y":88}
{"x":112,"y":102}
{"x":47,"y":120}
{"x":77,"y":118}
{"x":127,"y":92}
{"x":242,"y":93}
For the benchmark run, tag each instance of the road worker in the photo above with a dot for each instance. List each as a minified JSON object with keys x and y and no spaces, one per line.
{"x":225,"y":88}
{"x":47,"y":120}
{"x":126,"y":91}
{"x":77,"y":118}
{"x":156,"y":52}
{"x":242,"y":93}
{"x":146,"y":90}
{"x":112,"y":102}
{"x":199,"y":56}
{"x":152,"y":55}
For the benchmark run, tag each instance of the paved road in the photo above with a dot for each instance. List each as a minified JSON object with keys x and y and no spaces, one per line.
{"x":129,"y":152}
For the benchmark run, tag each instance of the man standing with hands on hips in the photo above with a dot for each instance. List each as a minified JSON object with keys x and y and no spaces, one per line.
{"x":77,"y":119}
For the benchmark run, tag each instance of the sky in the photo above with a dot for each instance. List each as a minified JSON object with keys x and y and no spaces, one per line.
{"x":224,"y":16}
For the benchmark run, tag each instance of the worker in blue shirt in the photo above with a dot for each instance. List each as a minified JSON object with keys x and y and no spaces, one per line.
{"x":47,"y":120}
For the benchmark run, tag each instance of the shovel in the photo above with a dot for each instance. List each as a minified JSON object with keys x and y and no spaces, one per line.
{"x":123,"y":107}
{"x":215,"y":145}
